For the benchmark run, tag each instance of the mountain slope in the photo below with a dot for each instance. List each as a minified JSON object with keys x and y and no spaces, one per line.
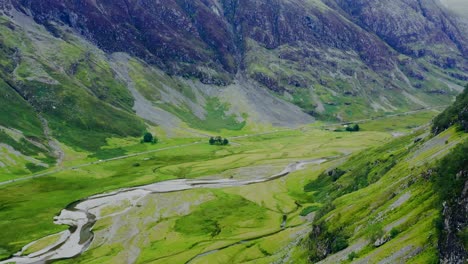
{"x":402,"y":202}
{"x":332,"y":58}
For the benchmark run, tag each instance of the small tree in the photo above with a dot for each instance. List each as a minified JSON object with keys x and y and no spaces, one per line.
{"x":353,"y":128}
{"x":149,"y":138}
{"x":219,"y":141}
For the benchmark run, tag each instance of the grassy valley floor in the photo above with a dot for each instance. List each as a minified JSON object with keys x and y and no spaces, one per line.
{"x":262,"y":223}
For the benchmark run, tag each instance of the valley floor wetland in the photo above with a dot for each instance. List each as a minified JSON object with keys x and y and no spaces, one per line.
{"x":82,"y":215}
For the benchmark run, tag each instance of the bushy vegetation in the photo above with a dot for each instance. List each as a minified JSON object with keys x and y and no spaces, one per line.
{"x":451,"y":174}
{"x":456,"y":114}
{"x":149,"y":138}
{"x":324,"y":242}
{"x":450,"y":178}
{"x":219,"y":141}
{"x":353,"y":128}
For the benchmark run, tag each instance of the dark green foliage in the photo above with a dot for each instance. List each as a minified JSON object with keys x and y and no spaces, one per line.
{"x":452,"y":173}
{"x":394,"y":232}
{"x":219,"y":141}
{"x":323,"y":242}
{"x":456,"y":114}
{"x":108,"y":153}
{"x":352,"y":256}
{"x":338,"y":243}
{"x":353,"y":128}
{"x":149,"y":138}
{"x":335,"y":174}
{"x":450,"y":178}
{"x":34,"y":168}
{"x":309,"y":210}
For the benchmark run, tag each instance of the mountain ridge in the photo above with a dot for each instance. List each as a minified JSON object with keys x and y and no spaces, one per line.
{"x":194,"y":66}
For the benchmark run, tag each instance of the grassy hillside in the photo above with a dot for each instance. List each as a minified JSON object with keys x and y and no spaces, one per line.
{"x":390,"y":203}
{"x":65,"y":82}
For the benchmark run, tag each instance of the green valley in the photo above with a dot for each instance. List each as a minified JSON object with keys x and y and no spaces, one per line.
{"x":254,"y":131}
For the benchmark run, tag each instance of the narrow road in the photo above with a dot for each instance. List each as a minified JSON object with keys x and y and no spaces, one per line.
{"x":96,"y":162}
{"x":198,"y":142}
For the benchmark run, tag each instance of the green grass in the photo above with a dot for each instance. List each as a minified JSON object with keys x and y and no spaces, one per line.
{"x":84,"y":105}
{"x":309,"y":210}
{"x":42,"y":243}
{"x":30,"y":205}
{"x":383,"y":189}
{"x":17,"y":113}
{"x":220,"y":216}
{"x":216,"y":118}
{"x":260,"y":208}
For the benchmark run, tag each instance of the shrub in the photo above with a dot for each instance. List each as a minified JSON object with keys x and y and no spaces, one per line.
{"x":394,"y":232}
{"x":218,"y":141}
{"x":352,"y":256}
{"x":353,"y":128}
{"x":149,"y":138}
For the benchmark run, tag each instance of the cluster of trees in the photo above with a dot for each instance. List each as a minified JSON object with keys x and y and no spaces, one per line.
{"x":353,"y":128}
{"x":149,"y":138}
{"x":219,"y":141}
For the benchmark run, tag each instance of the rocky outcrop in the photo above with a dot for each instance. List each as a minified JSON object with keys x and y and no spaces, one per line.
{"x":181,"y":35}
{"x":451,"y":245}
{"x":405,"y":23}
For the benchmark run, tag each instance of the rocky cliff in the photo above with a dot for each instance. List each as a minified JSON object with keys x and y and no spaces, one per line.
{"x":325,"y":59}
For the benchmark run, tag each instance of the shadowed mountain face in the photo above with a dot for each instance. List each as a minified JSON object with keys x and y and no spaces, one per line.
{"x":184,"y":37}
{"x":229,"y":60}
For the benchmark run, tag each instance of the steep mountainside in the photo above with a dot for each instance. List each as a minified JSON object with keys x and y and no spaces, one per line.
{"x":82,"y":80}
{"x":209,"y":65}
{"x":404,"y":202}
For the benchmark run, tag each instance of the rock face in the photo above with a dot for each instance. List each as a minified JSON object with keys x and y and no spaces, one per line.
{"x":182,"y":36}
{"x":405,"y":24}
{"x":334,"y":59}
{"x":451,"y":246}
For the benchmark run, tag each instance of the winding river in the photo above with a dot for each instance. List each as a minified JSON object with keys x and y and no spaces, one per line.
{"x":81,"y":215}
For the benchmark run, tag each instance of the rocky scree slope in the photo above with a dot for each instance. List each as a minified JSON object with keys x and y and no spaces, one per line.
{"x":190,"y":61}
